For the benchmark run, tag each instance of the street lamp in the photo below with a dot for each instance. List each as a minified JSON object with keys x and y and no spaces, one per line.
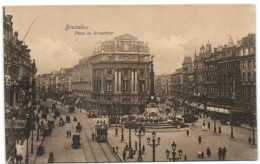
{"x":116,"y":134}
{"x":130,"y":143}
{"x":154,"y":145}
{"x":122,"y":135}
{"x":231,"y":123}
{"x":32,"y":127}
{"x":174,"y":158}
{"x":27,"y":137}
{"x":141,"y":133}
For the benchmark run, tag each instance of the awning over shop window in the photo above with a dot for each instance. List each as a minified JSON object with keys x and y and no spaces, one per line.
{"x":218,"y":110}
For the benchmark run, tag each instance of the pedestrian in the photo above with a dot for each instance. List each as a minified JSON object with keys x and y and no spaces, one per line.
{"x":249,"y":140}
{"x":124,"y":154}
{"x":219,"y":153}
{"x":224,"y":153}
{"x":143,"y":149}
{"x":185,"y":157}
{"x":126,"y":146}
{"x":20,"y":158}
{"x":93,"y":136}
{"x":202,"y":154}
{"x":17,"y":158}
{"x":219,"y":130}
{"x":187,"y":132}
{"x":68,"y":133}
{"x":113,"y":149}
{"x":208,"y":152}
{"x":117,"y":149}
{"x":208,"y":125}
{"x":135,"y":145}
{"x":204,"y":124}
{"x":199,"y":139}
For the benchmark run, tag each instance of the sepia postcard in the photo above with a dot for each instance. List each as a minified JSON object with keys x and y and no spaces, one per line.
{"x":129,"y":83}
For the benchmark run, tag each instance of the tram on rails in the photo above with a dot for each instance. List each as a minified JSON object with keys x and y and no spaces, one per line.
{"x":93,"y":113}
{"x":101,"y":133}
{"x":71,"y":109}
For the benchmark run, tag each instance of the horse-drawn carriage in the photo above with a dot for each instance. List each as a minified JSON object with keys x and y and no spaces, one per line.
{"x":67,"y":119}
{"x":101,"y":132}
{"x":71,"y":109}
{"x":47,"y":130}
{"x":75,"y":141}
{"x":61,"y":122}
{"x":78,"y":127}
{"x":51,"y":122}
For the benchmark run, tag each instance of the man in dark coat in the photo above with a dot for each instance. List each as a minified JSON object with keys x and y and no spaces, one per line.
{"x":185,"y":157}
{"x":224,"y":153}
{"x":187,"y":132}
{"x":249,"y":140}
{"x":124,"y":154}
{"x":143,"y":149}
{"x":20,"y":158}
{"x":219,"y":130}
{"x":208,"y":125}
{"x":135,"y":145}
{"x":199,"y":139}
{"x":219,"y":153}
{"x":208,"y":152}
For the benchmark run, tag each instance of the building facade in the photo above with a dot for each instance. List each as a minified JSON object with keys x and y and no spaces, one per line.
{"x":19,"y":69}
{"x":121,"y":73}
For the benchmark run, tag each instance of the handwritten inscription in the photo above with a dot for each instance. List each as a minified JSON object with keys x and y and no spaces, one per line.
{"x":84,"y":30}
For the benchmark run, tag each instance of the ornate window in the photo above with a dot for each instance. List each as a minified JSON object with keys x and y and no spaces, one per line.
{"x":109,"y":85}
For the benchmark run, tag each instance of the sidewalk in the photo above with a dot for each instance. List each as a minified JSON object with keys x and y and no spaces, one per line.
{"x":21,"y":147}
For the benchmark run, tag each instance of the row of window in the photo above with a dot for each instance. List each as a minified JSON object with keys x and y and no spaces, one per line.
{"x":249,"y":76}
{"x":125,"y":71}
{"x":125,"y":86}
{"x":249,"y":64}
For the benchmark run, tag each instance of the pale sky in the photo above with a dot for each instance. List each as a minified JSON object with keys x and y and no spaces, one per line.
{"x":172,"y":31}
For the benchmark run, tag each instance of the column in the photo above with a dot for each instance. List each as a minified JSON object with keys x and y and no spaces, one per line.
{"x":102,"y":81}
{"x":119,"y":80}
{"x":132,"y":81}
{"x":115,"y":80}
{"x":14,"y":102}
{"x":135,"y":80}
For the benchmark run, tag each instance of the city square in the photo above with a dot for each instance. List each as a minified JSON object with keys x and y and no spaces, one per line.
{"x":107,"y":95}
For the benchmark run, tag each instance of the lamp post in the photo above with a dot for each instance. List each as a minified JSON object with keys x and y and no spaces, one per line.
{"x":32,"y":128}
{"x":122,"y":135}
{"x":215,"y":126}
{"x":32,"y":143}
{"x":253,"y":125}
{"x":116,"y":134}
{"x":27,"y":137}
{"x":141,"y":133}
{"x":130,"y":143}
{"x":231,"y":123}
{"x":154,"y":145}
{"x":174,"y":158}
{"x":38,"y":132}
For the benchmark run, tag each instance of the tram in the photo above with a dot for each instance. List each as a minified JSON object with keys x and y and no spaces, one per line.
{"x":101,"y":133}
{"x":93,"y":114}
{"x":71,"y":109}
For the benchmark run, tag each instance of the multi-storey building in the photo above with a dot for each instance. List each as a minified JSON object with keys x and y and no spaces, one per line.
{"x":121,"y":73}
{"x":19,"y":76}
{"x":162,"y":86}
{"x":19,"y":69}
{"x":82,"y":81}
